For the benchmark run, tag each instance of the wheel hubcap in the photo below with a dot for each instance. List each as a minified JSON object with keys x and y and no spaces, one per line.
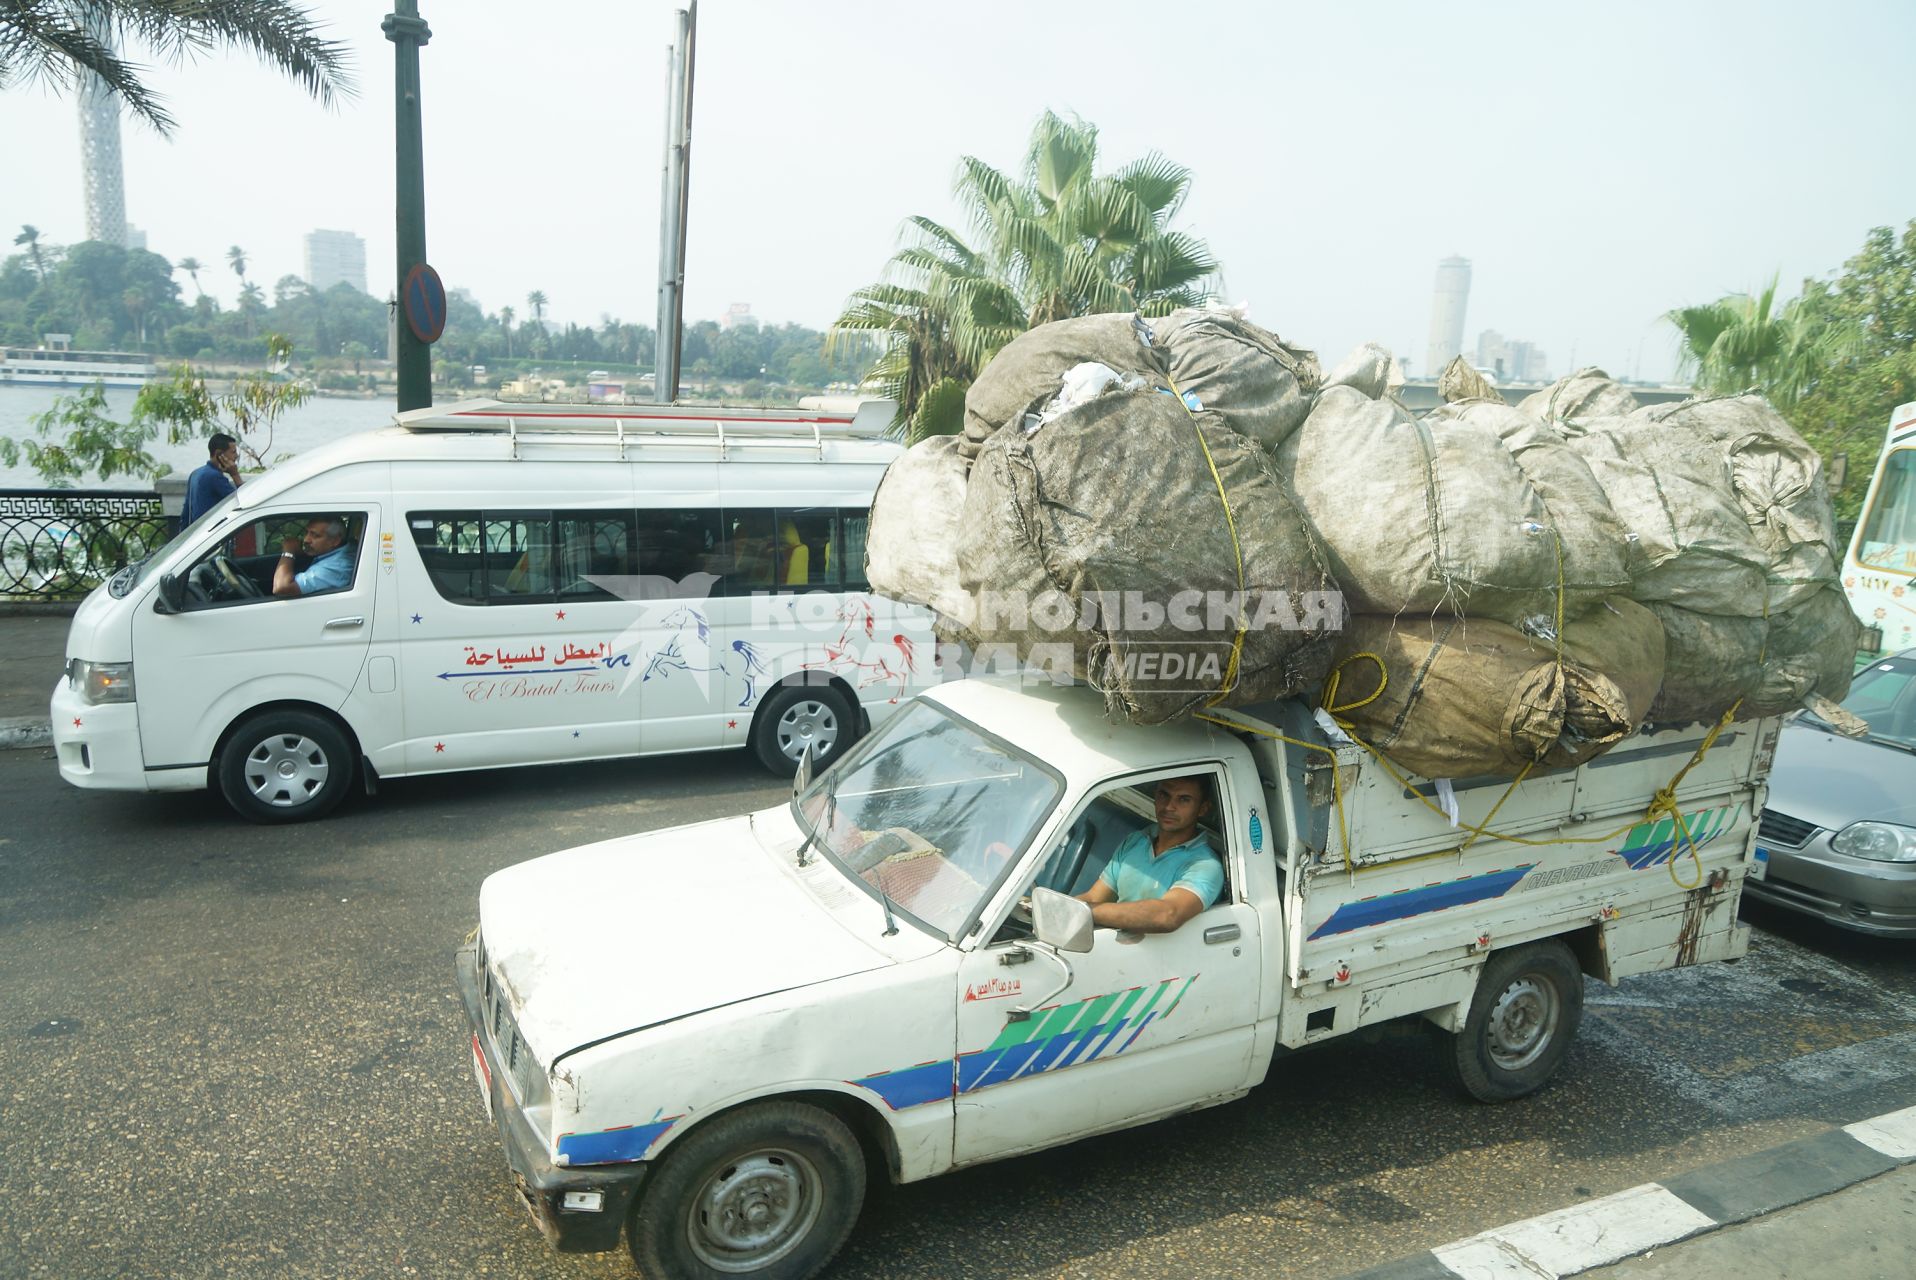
{"x":1523,"y":1022}
{"x":807,"y":724}
{"x":286,"y":770}
{"x":754,"y":1210}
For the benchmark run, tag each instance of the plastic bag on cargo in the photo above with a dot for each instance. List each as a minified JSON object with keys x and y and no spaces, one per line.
{"x":1029,"y":370}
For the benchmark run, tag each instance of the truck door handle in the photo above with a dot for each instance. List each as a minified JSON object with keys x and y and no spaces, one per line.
{"x":342,"y":623}
{"x":1222,"y":933}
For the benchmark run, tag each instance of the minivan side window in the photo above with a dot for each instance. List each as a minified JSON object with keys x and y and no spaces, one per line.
{"x":238,"y":569}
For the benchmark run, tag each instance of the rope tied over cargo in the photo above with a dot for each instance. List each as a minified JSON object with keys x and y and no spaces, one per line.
{"x":1237,"y":550}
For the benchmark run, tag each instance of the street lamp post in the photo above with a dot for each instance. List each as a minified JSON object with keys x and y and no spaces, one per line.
{"x":407,"y":30}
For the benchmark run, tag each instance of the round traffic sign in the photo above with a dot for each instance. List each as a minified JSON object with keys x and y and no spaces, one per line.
{"x":425,"y":301}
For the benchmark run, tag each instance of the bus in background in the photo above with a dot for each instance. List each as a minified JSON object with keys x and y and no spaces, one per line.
{"x":1879,"y":573}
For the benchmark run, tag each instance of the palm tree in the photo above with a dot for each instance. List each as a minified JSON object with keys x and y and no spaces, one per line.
{"x":59,"y":41}
{"x":1742,"y":342}
{"x":1059,"y":240}
{"x":192,"y":268}
{"x":30,"y":237}
{"x":505,"y":319}
{"x":236,"y":258}
{"x":537,"y":301}
{"x":252,"y":302}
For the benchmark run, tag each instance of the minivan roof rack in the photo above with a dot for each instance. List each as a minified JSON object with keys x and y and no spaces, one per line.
{"x":666,"y":424}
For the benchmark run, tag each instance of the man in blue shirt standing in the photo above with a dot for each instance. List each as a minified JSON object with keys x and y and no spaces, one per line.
{"x":332,"y":563}
{"x":209,"y":483}
{"x":1159,"y":879}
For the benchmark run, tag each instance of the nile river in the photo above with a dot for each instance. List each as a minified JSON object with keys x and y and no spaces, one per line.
{"x":314,"y":423}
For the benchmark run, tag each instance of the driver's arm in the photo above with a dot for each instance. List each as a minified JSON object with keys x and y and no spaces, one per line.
{"x":283,"y":581}
{"x":1154,"y":915}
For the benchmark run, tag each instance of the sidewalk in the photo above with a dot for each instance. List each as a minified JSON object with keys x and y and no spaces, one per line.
{"x":1839,"y":1205}
{"x":32,"y":656}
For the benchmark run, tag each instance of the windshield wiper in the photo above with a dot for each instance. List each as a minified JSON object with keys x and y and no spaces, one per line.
{"x":830,"y":808}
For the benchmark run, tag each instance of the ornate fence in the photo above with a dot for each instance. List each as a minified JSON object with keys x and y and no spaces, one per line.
{"x":61,"y":543}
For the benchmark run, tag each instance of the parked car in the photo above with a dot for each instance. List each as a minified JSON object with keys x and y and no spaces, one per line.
{"x":1839,"y":832}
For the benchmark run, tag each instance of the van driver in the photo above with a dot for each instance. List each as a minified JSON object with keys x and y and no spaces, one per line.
{"x":332,"y":564}
{"x":1158,"y":879}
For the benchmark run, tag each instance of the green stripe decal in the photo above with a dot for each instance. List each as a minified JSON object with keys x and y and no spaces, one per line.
{"x":1181,"y":990}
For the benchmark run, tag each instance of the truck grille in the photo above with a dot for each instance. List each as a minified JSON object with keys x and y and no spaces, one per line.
{"x":1781,"y":829}
{"x":521,"y":1068}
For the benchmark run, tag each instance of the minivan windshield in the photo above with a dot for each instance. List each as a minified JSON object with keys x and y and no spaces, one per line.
{"x":135,"y":573}
{"x":930,"y":813}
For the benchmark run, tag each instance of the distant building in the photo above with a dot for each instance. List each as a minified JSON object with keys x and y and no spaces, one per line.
{"x":738,"y":316}
{"x":335,"y":257}
{"x":1447,"y":314}
{"x":135,"y":237}
{"x":1511,"y":359}
{"x":102,"y":173}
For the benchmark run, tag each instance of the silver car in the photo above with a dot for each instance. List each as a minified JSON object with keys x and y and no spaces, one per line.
{"x":1839,"y":832}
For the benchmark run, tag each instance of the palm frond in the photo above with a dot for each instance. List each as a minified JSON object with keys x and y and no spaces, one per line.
{"x":1159,"y":183}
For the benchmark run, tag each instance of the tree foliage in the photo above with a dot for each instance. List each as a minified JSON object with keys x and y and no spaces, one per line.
{"x":1059,"y":239}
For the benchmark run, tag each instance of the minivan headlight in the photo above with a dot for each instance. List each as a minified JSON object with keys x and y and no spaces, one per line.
{"x":1877,"y":841}
{"x":100,"y":682}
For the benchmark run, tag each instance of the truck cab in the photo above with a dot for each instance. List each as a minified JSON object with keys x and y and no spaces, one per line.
{"x":709,"y":1037}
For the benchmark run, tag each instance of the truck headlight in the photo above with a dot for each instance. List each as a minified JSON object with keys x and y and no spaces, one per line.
{"x":100,"y":682}
{"x":1877,"y":841}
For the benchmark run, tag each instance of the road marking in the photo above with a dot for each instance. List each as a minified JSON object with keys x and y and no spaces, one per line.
{"x":1592,"y":1234}
{"x":1894,"y":1134}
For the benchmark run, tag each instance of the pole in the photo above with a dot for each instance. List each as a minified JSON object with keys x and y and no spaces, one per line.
{"x":408,"y":31}
{"x":674,"y":188}
{"x":689,"y":39}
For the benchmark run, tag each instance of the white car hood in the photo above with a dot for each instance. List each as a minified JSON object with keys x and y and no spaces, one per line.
{"x":616,"y":936}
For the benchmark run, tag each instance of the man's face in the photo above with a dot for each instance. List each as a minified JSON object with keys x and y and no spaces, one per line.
{"x":319,"y":539}
{"x":228,"y":458}
{"x":1181,"y":803}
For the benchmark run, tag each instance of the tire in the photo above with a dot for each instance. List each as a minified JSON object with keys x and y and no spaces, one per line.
{"x":285,"y":766}
{"x":768,"y":1191}
{"x":1522,"y":1019}
{"x":797,"y":715}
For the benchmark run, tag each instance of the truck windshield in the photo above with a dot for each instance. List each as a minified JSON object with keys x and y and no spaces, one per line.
{"x":930,"y":812}
{"x":1888,"y":538}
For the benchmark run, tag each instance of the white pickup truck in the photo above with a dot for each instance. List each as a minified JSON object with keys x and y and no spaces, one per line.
{"x":710,"y":1037}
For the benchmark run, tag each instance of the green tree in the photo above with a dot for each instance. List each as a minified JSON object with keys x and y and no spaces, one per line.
{"x":236,"y":259}
{"x":505,"y":322}
{"x":252,"y":305}
{"x":537,"y":301}
{"x":59,"y":41}
{"x":30,"y":237}
{"x":192,"y":268}
{"x":1059,"y":239}
{"x":1744,"y":341}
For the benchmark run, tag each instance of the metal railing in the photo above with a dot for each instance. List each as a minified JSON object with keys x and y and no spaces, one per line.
{"x":59,"y":544}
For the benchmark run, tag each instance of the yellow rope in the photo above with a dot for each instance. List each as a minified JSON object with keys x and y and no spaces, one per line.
{"x":1237,"y":550}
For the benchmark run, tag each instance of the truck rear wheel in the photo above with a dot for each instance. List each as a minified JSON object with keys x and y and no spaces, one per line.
{"x":769,"y":1191}
{"x":1522,"y":1019}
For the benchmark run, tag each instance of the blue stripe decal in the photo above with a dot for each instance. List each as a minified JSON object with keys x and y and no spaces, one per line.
{"x":1417,"y":902}
{"x":1148,"y":1019}
{"x":1009,"y":1063}
{"x":912,"y":1086}
{"x":612,"y":1146}
{"x":973,"y":1067}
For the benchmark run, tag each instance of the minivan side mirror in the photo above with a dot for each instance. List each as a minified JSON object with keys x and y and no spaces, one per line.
{"x":172,"y":594}
{"x":1060,"y":920}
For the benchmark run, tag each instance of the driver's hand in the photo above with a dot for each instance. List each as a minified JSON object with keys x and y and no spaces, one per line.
{"x":289,"y":544}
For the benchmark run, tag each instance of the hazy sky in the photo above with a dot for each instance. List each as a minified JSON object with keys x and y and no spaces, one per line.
{"x":1598,"y":163}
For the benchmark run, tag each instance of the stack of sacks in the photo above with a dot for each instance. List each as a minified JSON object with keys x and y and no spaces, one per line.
{"x":1587,"y":393}
{"x":1121,"y":505}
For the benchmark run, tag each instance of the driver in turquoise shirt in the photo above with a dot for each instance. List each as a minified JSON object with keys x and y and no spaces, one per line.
{"x":332,"y":563}
{"x":1159,"y":879}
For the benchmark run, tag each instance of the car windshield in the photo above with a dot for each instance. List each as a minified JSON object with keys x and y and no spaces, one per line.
{"x":134,"y":574}
{"x":1884,"y":693}
{"x":930,"y":812}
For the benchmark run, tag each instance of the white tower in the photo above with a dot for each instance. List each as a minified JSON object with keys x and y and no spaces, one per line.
{"x":1447,"y":314}
{"x":100,"y":160}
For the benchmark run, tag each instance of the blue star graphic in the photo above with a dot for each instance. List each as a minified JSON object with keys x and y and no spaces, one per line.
{"x":575,"y":733}
{"x":415,"y":617}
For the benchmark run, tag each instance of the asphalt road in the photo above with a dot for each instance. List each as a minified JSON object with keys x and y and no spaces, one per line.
{"x":231,"y":1051}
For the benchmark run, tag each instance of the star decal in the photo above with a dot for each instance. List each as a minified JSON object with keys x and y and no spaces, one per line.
{"x":560,"y":615}
{"x":575,"y":733}
{"x":76,"y":722}
{"x":438,"y":747}
{"x":416,"y":618}
{"x":731,"y":724}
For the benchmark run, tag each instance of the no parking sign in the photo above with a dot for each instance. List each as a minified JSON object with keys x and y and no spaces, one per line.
{"x":424,"y":298}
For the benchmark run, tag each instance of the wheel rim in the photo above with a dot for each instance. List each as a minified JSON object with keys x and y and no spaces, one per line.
{"x":807,"y":724}
{"x":286,"y":770}
{"x":1523,"y":1022}
{"x":754,"y":1210}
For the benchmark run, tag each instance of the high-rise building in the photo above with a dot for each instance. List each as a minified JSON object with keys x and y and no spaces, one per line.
{"x":1447,"y":315}
{"x":101,"y":169}
{"x":738,"y":315}
{"x":335,"y":257}
{"x":1511,"y":359}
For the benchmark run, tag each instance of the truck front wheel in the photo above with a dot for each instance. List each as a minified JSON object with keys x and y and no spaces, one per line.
{"x":770,"y":1191}
{"x":1528,"y":1003}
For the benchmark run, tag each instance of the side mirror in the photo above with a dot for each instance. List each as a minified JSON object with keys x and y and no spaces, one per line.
{"x":172,"y":595}
{"x":1060,"y":920}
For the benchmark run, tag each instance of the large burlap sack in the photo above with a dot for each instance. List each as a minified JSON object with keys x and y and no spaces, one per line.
{"x":1777,"y":481}
{"x":1673,"y":492}
{"x":911,"y":548}
{"x":1587,"y":393}
{"x":1102,"y":537}
{"x":1466,"y":698}
{"x":1460,"y":381}
{"x":1368,"y":368}
{"x":1256,"y":382}
{"x":1029,"y":369}
{"x":1422,"y":518}
{"x":1754,"y":666}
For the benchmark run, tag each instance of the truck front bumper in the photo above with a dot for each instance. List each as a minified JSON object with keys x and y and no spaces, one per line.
{"x":579,"y":1210}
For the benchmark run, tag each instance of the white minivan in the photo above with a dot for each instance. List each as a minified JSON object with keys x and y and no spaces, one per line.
{"x":528,"y":584}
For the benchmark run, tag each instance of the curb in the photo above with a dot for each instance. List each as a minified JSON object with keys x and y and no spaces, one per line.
{"x":1599,"y":1232}
{"x":25,"y":731}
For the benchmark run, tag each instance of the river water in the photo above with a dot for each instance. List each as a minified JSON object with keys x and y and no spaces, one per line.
{"x":314,"y":423}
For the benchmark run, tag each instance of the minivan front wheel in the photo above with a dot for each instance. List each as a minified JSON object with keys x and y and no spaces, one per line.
{"x":798,"y":716}
{"x":285,"y":766}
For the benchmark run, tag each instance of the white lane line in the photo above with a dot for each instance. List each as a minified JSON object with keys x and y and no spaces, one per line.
{"x":1592,"y":1234}
{"x":1894,"y":1134}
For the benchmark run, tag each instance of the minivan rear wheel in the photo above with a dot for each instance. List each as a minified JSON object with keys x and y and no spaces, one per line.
{"x":795,"y":717}
{"x":285,"y":766}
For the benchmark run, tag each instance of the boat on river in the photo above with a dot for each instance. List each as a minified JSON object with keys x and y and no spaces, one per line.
{"x":63,"y":367}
